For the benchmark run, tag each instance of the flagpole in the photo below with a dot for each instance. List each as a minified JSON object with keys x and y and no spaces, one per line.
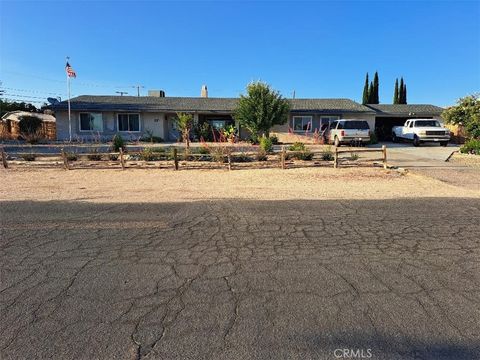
{"x":69,"y":113}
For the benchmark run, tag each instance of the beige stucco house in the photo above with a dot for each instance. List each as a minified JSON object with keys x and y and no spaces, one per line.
{"x":101,"y":117}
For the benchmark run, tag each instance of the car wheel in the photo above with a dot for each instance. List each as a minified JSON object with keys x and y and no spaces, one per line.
{"x":394,"y":138}
{"x":336,"y":142}
{"x":444,"y":143}
{"x":416,"y":141}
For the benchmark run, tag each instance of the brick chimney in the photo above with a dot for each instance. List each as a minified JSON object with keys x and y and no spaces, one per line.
{"x":204,"y":92}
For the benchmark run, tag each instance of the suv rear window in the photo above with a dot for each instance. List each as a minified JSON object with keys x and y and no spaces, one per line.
{"x":353,"y":125}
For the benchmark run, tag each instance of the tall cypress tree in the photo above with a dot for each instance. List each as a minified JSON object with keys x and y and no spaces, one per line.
{"x":370,"y":93}
{"x":400,"y":90}
{"x":404,"y":93}
{"x":375,"y":97}
{"x":365,"y":91}
{"x":395,"y":93}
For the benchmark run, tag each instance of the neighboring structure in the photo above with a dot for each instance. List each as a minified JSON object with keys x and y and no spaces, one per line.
{"x":133,"y":117}
{"x":390,"y":115}
{"x":9,"y":124}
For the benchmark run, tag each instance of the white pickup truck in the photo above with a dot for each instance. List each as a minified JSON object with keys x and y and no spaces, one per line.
{"x":420,"y":131}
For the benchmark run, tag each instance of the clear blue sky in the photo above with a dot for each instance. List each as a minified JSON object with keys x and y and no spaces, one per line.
{"x":320,"y":49}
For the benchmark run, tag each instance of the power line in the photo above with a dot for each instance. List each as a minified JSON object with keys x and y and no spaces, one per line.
{"x":33,"y":91}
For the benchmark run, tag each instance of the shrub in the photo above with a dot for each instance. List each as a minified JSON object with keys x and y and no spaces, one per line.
{"x":274,"y":139}
{"x":301,"y":155}
{"x":118,"y":143}
{"x":373,"y":138}
{"x":241,"y":158}
{"x":112,"y":157}
{"x":95,"y":156}
{"x":297,"y":146}
{"x":71,"y":156}
{"x":305,"y":155}
{"x":152,"y":139}
{"x":204,"y":131}
{"x":353,"y":156}
{"x":149,"y":137}
{"x":29,"y":124}
{"x":204,"y":150}
{"x":266,"y":144}
{"x":254,"y":139}
{"x":148,"y":155}
{"x":28,"y":157}
{"x":261,"y":155}
{"x":471,"y":146}
{"x":327,"y":154}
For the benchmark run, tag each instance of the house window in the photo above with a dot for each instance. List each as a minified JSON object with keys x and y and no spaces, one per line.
{"x":218,"y":124}
{"x":91,"y":122}
{"x":129,"y":122}
{"x":302,"y":123}
{"x":326,"y":121}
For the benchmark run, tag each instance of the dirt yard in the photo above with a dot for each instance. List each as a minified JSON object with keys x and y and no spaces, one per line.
{"x":151,"y":185}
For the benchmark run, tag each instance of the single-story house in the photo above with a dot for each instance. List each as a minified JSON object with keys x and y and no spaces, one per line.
{"x":9,"y":124}
{"x":94,"y":117}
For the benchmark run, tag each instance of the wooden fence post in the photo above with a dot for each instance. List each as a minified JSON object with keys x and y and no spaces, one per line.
{"x":283,"y":156}
{"x":65,"y":160}
{"x":229,"y":159}
{"x":384,"y":151}
{"x":175,"y":158}
{"x":335,"y":160}
{"x":122,"y":159}
{"x":4,"y":159}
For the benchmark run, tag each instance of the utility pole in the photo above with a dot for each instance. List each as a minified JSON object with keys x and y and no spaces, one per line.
{"x":138,"y":89}
{"x":121,"y":92}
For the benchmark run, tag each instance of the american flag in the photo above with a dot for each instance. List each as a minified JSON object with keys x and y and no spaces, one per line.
{"x":70,"y":71}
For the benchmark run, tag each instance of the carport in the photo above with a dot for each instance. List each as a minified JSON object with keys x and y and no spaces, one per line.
{"x":390,"y":115}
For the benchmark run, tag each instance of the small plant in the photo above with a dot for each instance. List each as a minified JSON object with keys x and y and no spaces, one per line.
{"x":305,"y":155}
{"x":95,"y":156}
{"x":261,"y":155}
{"x":297,"y":146}
{"x":204,"y":150}
{"x":148,"y":155}
{"x":274,"y":139}
{"x":229,"y":133}
{"x":327,"y":154}
{"x":28,"y":157}
{"x":471,"y":146}
{"x":353,"y":156}
{"x":241,"y":158}
{"x":118,"y":143}
{"x":112,"y":157}
{"x":71,"y":156}
{"x":254,"y":139}
{"x":373,"y":138}
{"x":266,"y":144}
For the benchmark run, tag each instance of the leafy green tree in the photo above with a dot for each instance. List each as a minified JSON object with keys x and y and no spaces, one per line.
{"x":365,"y":91}
{"x":184,"y":123}
{"x":261,"y":109}
{"x":376,"y":84}
{"x":7,"y":106}
{"x":466,"y":113}
{"x":395,"y":93}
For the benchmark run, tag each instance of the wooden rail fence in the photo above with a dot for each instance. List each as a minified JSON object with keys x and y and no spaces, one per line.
{"x":228,"y":157}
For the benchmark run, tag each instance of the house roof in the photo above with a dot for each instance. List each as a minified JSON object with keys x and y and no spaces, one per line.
{"x":17,"y":114}
{"x":406,"y":109}
{"x":174,"y":104}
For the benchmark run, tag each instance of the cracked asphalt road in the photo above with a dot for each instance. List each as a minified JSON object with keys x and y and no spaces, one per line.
{"x":240,"y":279}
